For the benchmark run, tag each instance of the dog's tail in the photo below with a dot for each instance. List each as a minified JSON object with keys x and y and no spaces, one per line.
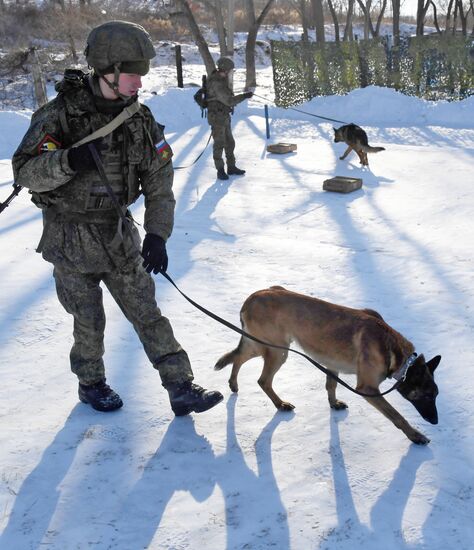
{"x":227,"y":358}
{"x":369,"y":149}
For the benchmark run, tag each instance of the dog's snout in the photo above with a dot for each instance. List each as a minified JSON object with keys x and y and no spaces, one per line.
{"x":430,"y":414}
{"x":432,"y":418}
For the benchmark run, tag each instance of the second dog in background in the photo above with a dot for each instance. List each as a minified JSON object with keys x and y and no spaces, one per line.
{"x":356,"y":139}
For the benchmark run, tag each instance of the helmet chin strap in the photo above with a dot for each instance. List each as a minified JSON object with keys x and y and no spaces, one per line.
{"x":114,"y":86}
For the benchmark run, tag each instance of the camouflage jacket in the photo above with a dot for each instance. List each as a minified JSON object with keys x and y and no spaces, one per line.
{"x":137,"y":160}
{"x":220,"y":99}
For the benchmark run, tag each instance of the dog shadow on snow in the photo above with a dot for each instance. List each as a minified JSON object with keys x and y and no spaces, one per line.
{"x":255,"y":514}
{"x":185,"y":462}
{"x":386,"y":515}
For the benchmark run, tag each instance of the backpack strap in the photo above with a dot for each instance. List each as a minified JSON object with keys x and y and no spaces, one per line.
{"x":112,"y":125}
{"x":62,"y":115}
{"x":51,"y":213}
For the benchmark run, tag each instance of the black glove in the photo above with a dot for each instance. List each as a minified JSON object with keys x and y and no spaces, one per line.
{"x":81,"y":159}
{"x":154,"y":254}
{"x":247,"y":95}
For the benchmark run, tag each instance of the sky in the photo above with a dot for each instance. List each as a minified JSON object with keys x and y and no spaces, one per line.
{"x":244,"y":475}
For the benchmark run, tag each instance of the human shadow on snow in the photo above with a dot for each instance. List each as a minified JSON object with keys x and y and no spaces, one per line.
{"x":185,"y":461}
{"x":38,"y":498}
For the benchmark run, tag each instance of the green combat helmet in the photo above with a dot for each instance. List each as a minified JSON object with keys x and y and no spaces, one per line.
{"x":119,"y":46}
{"x":225,"y":64}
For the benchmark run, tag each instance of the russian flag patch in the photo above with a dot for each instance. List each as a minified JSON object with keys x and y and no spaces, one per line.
{"x":164,"y":150}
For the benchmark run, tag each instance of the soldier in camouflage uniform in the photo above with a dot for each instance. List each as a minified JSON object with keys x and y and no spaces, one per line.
{"x":220,"y":104}
{"x":84,"y":236}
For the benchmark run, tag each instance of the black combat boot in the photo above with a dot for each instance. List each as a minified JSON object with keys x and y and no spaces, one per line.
{"x":188,"y":397}
{"x":100,"y":396}
{"x":234,"y":171}
{"x":221,"y":174}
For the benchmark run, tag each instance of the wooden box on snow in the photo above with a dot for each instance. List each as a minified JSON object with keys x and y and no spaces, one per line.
{"x":342,"y":184}
{"x":281,"y":148}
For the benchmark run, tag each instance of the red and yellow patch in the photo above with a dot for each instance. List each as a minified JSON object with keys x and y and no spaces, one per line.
{"x":47,"y":144}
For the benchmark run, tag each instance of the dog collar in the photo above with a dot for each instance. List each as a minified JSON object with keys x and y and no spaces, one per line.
{"x":401,"y":373}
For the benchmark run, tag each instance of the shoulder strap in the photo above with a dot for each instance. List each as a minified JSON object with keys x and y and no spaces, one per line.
{"x":112,"y":125}
{"x":62,"y":114}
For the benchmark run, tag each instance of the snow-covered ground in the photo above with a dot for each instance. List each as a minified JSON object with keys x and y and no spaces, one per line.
{"x":244,"y":476}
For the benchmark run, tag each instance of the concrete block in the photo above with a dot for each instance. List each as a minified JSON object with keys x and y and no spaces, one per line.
{"x":281,"y":148}
{"x":342,"y":184}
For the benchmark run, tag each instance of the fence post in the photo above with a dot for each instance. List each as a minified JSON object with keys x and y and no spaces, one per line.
{"x":38,"y":80}
{"x":179,"y":65}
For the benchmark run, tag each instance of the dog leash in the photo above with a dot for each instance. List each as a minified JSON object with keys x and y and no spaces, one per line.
{"x":304,"y":112}
{"x":197,"y":158}
{"x":250,"y":337}
{"x":103,"y":176}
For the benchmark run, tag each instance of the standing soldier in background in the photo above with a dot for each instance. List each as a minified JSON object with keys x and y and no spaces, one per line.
{"x":220,"y":104}
{"x":84,"y":235}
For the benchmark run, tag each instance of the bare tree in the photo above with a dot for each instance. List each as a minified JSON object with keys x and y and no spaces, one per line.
{"x":421,"y":10}
{"x":254,"y":25}
{"x":216,"y":9}
{"x":435,"y":17}
{"x":449,"y":12}
{"x":301,"y":7}
{"x":368,"y":24}
{"x":464,"y":14}
{"x":367,"y":20}
{"x":471,"y":7}
{"x":348,"y":34}
{"x":197,"y":35}
{"x":396,"y":22}
{"x":332,"y":9}
{"x":318,"y":18}
{"x":380,"y":17}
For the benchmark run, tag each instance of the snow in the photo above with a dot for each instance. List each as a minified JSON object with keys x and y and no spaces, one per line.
{"x":244,"y":476}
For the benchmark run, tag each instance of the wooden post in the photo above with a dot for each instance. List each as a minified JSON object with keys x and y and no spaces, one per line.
{"x":38,"y":80}
{"x":179,"y":66}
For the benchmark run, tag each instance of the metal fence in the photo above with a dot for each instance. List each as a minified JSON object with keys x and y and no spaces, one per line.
{"x":433,"y":67}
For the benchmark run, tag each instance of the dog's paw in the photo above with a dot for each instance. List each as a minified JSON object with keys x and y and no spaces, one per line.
{"x":338,"y":405}
{"x":285,"y":406}
{"x":419,"y":438}
{"x":342,"y":158}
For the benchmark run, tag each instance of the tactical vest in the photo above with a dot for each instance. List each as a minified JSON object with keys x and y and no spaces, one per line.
{"x":129,"y":148}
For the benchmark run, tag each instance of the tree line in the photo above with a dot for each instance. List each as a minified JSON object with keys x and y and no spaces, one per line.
{"x":314,"y":14}
{"x":23,"y":23}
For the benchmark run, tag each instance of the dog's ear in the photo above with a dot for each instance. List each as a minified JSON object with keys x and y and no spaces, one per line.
{"x":433,"y":363}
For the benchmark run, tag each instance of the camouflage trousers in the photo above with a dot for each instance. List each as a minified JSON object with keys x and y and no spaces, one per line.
{"x":223,"y":141}
{"x":134,"y":291}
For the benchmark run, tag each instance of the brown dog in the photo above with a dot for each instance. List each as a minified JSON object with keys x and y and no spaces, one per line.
{"x":351,"y":341}
{"x":357,"y":141}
